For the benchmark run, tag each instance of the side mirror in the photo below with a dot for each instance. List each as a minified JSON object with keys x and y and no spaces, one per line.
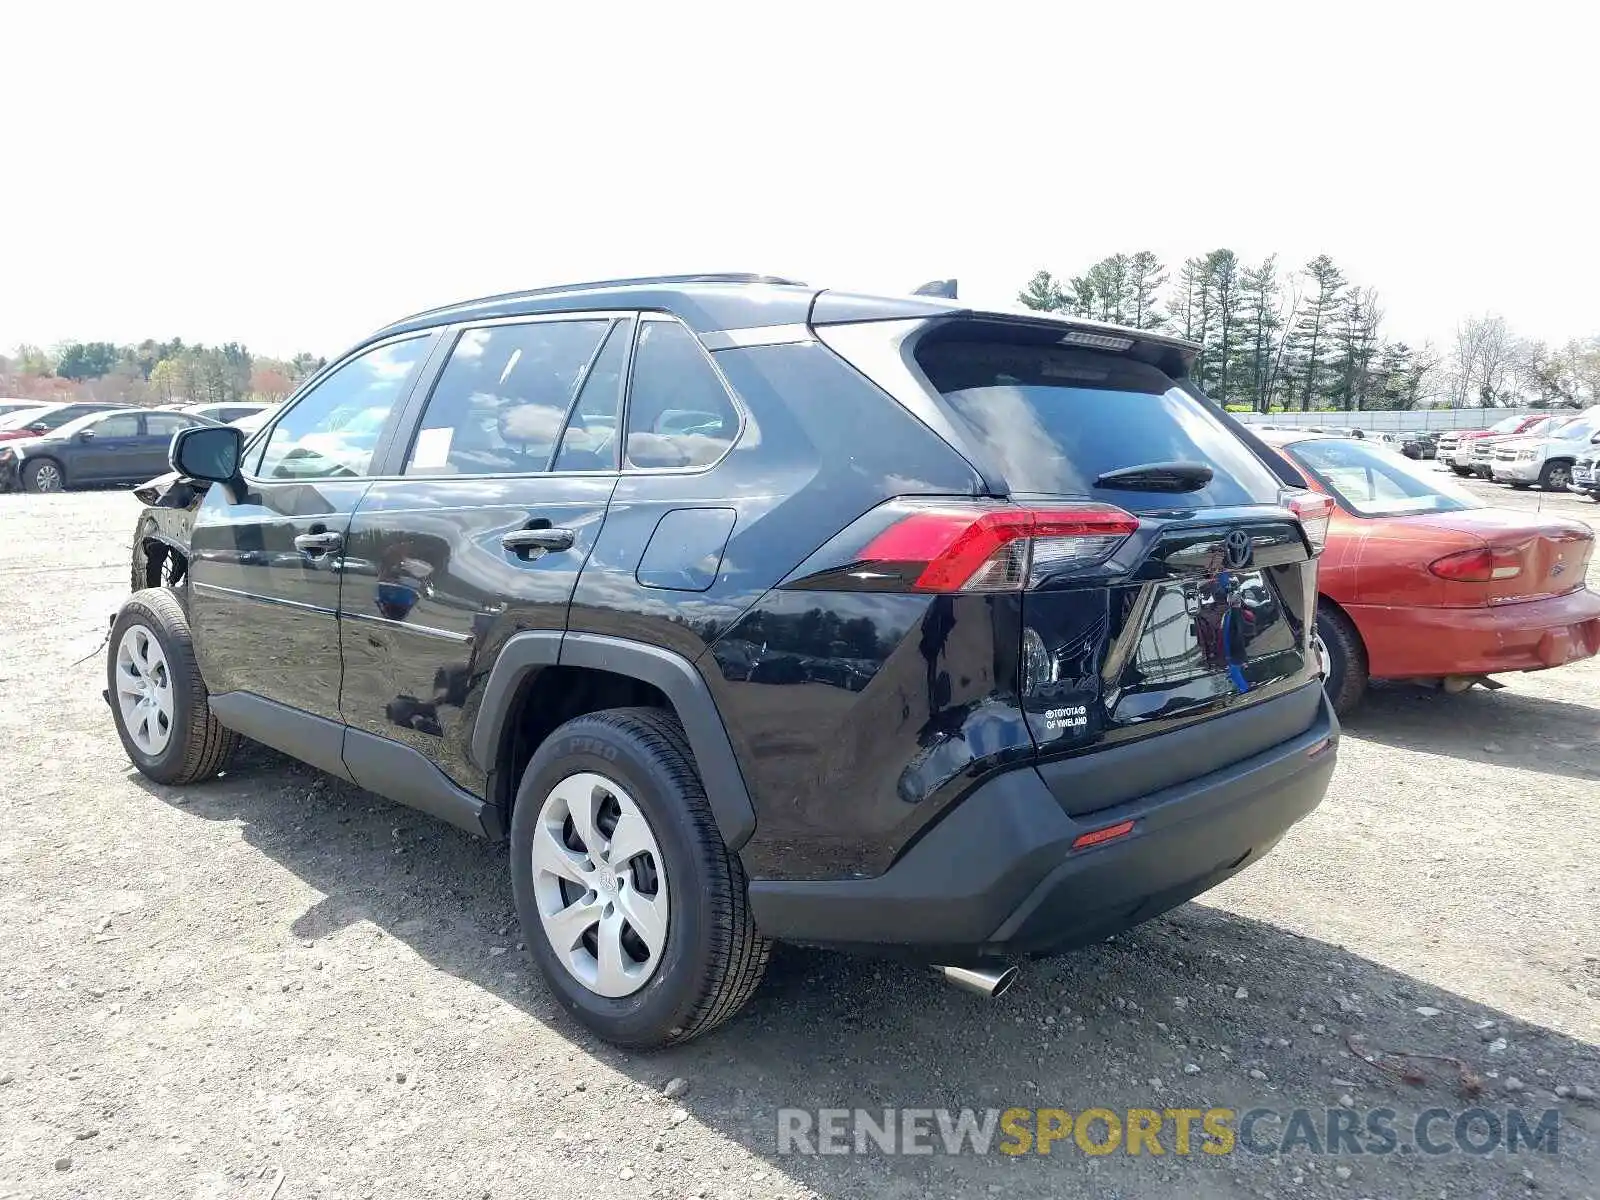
{"x":211,"y":453}
{"x":1595,"y":440}
{"x":85,"y":435}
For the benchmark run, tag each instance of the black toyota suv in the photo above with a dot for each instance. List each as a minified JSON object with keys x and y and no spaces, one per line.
{"x":754,"y":611}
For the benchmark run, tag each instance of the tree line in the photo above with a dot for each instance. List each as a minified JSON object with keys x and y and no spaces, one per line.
{"x":152,"y":373}
{"x":1311,"y":339}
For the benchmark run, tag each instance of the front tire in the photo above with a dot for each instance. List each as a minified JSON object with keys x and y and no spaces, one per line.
{"x":635,"y":912}
{"x":1346,"y":681}
{"x":1556,"y":476}
{"x":43,"y":475}
{"x":158,"y":701}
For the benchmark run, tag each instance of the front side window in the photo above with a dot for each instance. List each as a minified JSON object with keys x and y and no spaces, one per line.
{"x":503,"y":397}
{"x":332,"y":431}
{"x":679,"y":412}
{"x":122,"y":426}
{"x":1371,"y":482}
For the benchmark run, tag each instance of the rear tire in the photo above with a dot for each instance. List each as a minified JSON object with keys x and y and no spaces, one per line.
{"x":1462,"y":471}
{"x":158,"y":701}
{"x":1347,"y":658}
{"x":710,"y":957}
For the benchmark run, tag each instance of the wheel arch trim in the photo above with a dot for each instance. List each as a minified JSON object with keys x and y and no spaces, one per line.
{"x":673,"y":675}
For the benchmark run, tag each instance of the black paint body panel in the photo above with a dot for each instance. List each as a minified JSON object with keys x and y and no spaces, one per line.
{"x":849,"y":739}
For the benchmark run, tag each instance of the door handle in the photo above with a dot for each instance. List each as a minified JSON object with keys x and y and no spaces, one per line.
{"x":548,"y":540}
{"x":317,"y":543}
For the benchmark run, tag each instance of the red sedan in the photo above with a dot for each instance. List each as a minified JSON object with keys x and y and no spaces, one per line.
{"x":1422,"y":581}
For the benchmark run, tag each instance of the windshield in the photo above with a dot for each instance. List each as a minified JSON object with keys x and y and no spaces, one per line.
{"x":1371,"y":483}
{"x":68,"y":428}
{"x":1573,"y":427}
{"x":1508,"y":425}
{"x":24,"y":417}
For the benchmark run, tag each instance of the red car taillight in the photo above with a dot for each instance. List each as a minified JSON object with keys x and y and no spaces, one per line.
{"x":1478,"y":566}
{"x":1315,"y":512}
{"x":954,"y":547}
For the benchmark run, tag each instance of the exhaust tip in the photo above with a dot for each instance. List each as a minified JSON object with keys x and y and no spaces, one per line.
{"x":981,"y":981}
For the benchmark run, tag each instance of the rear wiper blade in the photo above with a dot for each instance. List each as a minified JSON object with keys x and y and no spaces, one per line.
{"x":1158,"y":477}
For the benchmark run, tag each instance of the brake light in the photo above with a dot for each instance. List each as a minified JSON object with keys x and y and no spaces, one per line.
{"x":974,"y":548}
{"x":1098,"y":836}
{"x":1478,"y":566}
{"x":1315,"y":512}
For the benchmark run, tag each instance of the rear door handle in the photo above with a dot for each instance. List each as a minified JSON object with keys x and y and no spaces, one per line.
{"x":317,"y":543}
{"x":548,"y":540}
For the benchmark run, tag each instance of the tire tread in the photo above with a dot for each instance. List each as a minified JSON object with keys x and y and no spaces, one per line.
{"x":207,"y":743}
{"x":739,"y":953}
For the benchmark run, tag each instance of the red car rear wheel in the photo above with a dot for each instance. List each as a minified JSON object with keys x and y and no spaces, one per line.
{"x":1347,"y":658}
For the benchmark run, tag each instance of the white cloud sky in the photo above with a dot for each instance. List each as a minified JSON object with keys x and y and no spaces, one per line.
{"x":292,"y":175}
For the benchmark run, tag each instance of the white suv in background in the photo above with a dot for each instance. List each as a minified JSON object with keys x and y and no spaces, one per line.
{"x":1547,"y":459}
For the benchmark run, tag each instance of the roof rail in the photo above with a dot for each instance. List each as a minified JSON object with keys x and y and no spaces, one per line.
{"x":595,"y":285}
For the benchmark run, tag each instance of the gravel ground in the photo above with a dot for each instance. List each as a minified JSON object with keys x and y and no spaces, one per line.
{"x":278,"y":985}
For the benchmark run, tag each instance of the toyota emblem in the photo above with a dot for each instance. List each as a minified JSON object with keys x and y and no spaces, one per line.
{"x":1237,"y":549}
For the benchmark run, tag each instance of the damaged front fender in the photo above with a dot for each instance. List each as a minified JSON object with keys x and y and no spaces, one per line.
{"x":161,"y":538}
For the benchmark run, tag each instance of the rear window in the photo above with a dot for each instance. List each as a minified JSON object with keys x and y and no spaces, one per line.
{"x":1373,"y":482}
{"x":1054,"y":419}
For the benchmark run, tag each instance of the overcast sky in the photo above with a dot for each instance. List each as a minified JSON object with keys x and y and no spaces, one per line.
{"x":292,"y":175}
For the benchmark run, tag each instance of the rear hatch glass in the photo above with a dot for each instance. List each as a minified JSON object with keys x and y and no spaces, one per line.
{"x":1053,"y":419}
{"x":1205,"y":609}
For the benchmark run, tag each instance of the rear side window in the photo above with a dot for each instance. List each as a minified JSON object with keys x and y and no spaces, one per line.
{"x":160,"y":425}
{"x":1054,"y":419}
{"x":679,"y":413}
{"x":503,"y":397}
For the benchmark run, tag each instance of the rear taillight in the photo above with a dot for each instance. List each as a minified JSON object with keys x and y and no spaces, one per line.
{"x":1315,"y":512}
{"x":954,"y":547}
{"x":1478,"y":566}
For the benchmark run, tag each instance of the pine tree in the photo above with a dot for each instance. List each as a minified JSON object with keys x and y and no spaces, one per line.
{"x":1185,"y":310}
{"x":1323,"y":302}
{"x":1146,"y":278}
{"x":1259,"y":319}
{"x":1222,"y":282}
{"x":1043,"y":294}
{"x":1355,"y":339}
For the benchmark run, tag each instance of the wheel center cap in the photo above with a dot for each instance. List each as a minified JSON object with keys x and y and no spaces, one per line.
{"x":608,"y":880}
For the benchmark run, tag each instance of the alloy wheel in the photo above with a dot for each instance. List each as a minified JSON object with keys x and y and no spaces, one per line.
{"x":600,"y":885}
{"x":144,"y":690}
{"x":47,"y":477}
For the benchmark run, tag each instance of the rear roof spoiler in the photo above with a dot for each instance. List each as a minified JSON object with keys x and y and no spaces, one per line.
{"x":849,"y":308}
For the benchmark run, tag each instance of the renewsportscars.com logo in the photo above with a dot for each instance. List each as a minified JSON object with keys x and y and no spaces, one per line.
{"x":1180,"y":1131}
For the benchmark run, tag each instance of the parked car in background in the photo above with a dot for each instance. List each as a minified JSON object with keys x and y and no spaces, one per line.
{"x":1399,"y":443}
{"x":255,"y":420}
{"x":567,"y":565}
{"x":121,"y":446}
{"x":1546,"y":458}
{"x":1455,"y":447}
{"x":1426,"y":442}
{"x":226,"y":413}
{"x":10,"y":405}
{"x":1421,"y":580}
{"x":1480,"y":451}
{"x":1586,"y":475}
{"x":27,"y":423}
